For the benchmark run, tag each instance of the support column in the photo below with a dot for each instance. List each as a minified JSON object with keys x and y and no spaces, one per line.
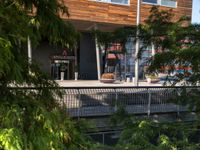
{"x":29,"y":53}
{"x":137,"y":45}
{"x":76,"y":64}
{"x":29,"y":50}
{"x":98,"y":57}
{"x":152,"y":49}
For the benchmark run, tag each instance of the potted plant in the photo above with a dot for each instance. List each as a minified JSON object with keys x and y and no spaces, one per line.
{"x":108,"y":78}
{"x":152,"y":78}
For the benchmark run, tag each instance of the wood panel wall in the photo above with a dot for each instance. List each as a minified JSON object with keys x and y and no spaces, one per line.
{"x":184,"y":8}
{"x":88,"y":10}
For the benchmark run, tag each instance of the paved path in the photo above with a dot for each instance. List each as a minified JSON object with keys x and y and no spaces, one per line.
{"x":96,"y":83}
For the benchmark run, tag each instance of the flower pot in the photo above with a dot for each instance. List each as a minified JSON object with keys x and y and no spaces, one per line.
{"x":128,"y":79}
{"x":76,"y":76}
{"x":148,"y":80}
{"x":62,"y":74}
{"x":107,"y":80}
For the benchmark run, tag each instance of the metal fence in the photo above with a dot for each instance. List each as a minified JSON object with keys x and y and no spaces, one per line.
{"x":101,"y":101}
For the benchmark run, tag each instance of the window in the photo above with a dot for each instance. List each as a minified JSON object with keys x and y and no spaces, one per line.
{"x":169,"y":3}
{"x":122,"y":2}
{"x":150,"y":1}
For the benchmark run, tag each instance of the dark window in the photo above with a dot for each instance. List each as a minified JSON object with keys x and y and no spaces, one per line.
{"x":150,"y":1}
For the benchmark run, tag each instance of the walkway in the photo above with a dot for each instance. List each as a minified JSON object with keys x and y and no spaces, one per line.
{"x":96,"y":83}
{"x":101,"y":101}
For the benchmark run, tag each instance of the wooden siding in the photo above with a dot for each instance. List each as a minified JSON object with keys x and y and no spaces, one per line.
{"x":99,"y":12}
{"x":184,"y":8}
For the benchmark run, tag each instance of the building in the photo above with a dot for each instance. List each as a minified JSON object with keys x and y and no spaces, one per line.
{"x":106,"y":15}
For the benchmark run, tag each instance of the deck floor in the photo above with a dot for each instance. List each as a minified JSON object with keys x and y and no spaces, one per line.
{"x":97,"y":83}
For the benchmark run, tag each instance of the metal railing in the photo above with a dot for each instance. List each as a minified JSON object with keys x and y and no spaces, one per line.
{"x":101,"y":101}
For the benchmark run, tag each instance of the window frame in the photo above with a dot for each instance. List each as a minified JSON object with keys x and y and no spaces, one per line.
{"x":159,"y":3}
{"x":109,"y":2}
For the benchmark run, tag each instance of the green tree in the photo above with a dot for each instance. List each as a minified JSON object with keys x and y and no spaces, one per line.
{"x":179,"y":47}
{"x":147,"y":135}
{"x":119,"y":36}
{"x":32,"y":118}
{"x":177,"y":43}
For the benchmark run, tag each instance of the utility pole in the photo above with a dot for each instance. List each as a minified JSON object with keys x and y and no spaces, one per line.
{"x":137,"y":45}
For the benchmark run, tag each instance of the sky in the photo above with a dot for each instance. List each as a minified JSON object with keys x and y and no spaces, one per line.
{"x":196,"y":11}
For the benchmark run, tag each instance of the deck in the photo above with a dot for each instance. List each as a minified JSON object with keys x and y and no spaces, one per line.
{"x":103,"y":101}
{"x":96,"y":83}
{"x":94,"y":99}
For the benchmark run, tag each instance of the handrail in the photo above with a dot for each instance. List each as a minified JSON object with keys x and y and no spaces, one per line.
{"x":104,"y":87}
{"x":101,"y":101}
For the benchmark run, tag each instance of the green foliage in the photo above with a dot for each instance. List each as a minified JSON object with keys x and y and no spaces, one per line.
{"x":106,"y":39}
{"x":147,"y":135}
{"x":178,"y":43}
{"x":41,"y":129}
{"x":120,"y":35}
{"x":37,"y":19}
{"x":179,"y":46}
{"x":10,"y":139}
{"x":5,"y":56}
{"x":33,"y":119}
{"x":120,"y":117}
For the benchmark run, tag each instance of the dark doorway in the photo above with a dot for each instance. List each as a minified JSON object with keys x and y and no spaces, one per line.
{"x":87,"y":57}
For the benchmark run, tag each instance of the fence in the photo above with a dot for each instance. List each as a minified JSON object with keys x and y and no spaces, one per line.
{"x":101,"y":101}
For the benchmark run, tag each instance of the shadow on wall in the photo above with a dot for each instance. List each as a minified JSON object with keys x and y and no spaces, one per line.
{"x":42,"y":53}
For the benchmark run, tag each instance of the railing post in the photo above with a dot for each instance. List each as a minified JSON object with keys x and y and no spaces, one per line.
{"x":149,"y":102}
{"x":116,"y":99}
{"x":79,"y":103}
{"x":103,"y":139}
{"x":178,"y":107}
{"x":63,"y":99}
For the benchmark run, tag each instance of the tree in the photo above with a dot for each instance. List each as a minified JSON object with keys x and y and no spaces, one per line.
{"x":179,"y":46}
{"x":148,"y":135}
{"x":32,"y":118}
{"x":178,"y":43}
{"x":106,"y":39}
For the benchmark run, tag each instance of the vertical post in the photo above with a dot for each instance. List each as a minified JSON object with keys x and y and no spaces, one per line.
{"x":79,"y":103}
{"x":29,"y":50}
{"x":63,"y":100}
{"x":103,"y":139}
{"x":76,"y":59}
{"x":116,"y":99}
{"x":149,"y":102}
{"x":125,"y":65}
{"x":178,"y":105}
{"x":97,"y":57}
{"x":76,"y":64}
{"x":137,"y":45}
{"x":152,"y":49}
